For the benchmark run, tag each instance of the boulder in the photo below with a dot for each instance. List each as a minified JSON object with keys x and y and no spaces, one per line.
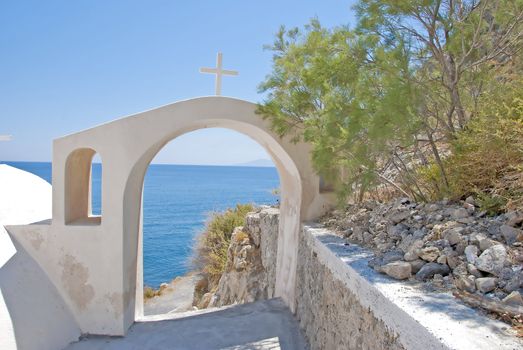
{"x":473,"y":270}
{"x":460,"y":213}
{"x":471,"y":253}
{"x":486,"y":243}
{"x":430,"y":269}
{"x":453,"y":235}
{"x":469,"y":208}
{"x":514,"y":218}
{"x":514,"y":299}
{"x":466,"y":283}
{"x":511,"y":234}
{"x":398,"y":216}
{"x":486,"y":284}
{"x":429,"y":254}
{"x":453,"y":260}
{"x":392,"y":256}
{"x":442,"y":259}
{"x":492,"y":259}
{"x":417,"y":265}
{"x":399,"y":270}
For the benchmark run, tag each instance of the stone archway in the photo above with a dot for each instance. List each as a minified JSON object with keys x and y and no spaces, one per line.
{"x":95,"y":264}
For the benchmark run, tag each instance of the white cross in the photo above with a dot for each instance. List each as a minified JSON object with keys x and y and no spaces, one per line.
{"x":219,"y":72}
{"x":6,"y":137}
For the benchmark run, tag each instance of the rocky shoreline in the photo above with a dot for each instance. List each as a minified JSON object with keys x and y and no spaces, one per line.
{"x":444,"y":246}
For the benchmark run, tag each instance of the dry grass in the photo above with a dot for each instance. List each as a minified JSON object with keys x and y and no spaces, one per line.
{"x":486,"y":159}
{"x":212,"y":245}
{"x":149,"y":293}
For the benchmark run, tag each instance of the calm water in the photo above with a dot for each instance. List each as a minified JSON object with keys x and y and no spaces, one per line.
{"x":177,"y":201}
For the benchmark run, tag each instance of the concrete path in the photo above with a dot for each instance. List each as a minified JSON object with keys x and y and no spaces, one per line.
{"x":176,"y":297}
{"x":260,"y":325}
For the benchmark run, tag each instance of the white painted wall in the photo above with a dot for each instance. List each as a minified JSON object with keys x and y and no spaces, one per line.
{"x":95,"y":262}
{"x":32,"y":313}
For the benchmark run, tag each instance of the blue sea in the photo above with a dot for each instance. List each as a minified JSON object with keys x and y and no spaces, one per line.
{"x":178,"y":199}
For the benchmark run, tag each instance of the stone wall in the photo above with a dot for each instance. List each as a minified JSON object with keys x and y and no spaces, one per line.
{"x":342,"y":303}
{"x":331,"y":316}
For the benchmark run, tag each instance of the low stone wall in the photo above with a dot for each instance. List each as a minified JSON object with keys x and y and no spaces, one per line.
{"x":341,"y":303}
{"x":331,"y":315}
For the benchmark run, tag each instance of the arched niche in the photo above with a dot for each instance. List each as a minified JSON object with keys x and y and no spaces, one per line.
{"x":78,"y":188}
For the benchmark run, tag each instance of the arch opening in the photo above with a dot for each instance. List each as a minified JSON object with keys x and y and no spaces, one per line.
{"x":178,"y":200}
{"x":290,"y":207}
{"x":83,"y":188}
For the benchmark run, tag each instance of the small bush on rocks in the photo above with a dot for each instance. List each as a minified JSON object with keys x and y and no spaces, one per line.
{"x":212,"y":244}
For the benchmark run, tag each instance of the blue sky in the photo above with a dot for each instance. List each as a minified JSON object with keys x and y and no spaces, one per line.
{"x":69,"y":65}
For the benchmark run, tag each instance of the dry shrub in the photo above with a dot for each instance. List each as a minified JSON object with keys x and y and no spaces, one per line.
{"x":487,"y":157}
{"x":212,"y":244}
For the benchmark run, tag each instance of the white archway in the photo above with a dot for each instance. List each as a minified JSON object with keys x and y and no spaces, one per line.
{"x":94,"y":264}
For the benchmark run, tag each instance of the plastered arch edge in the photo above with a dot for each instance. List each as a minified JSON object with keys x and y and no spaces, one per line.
{"x":95,"y":264}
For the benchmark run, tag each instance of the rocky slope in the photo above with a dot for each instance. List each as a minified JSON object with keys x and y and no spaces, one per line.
{"x":448,"y":246}
{"x":251,"y":264}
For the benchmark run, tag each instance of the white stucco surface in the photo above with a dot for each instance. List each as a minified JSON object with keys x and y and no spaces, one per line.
{"x":24,"y":197}
{"x":95,"y":262}
{"x":32,"y":313}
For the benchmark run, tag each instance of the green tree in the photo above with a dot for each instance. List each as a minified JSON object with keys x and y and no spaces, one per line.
{"x":348,"y":95}
{"x":382,"y":99}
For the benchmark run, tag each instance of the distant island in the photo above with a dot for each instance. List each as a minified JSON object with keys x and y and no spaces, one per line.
{"x":258,"y":163}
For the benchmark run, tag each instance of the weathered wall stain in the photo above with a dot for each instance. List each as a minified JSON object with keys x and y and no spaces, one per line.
{"x":36,"y":239}
{"x":74,"y":278}
{"x":116,"y":303}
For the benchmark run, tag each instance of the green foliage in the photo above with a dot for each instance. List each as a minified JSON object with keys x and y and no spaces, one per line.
{"x":346,"y":95}
{"x":487,"y":156}
{"x":212,"y":245}
{"x":384,"y":103}
{"x":149,"y":293}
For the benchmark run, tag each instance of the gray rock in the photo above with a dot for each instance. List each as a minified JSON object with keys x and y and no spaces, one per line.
{"x":460,"y":247}
{"x":397,"y":230}
{"x":514,"y":218}
{"x":398,"y":216}
{"x":514,"y":299}
{"x":418,"y":218}
{"x":492,"y":259}
{"x":469,"y":208}
{"x":466,"y":283}
{"x":453,"y":235}
{"x":406,"y":242}
{"x":460,"y":213}
{"x":392,"y":256}
{"x":430,"y":269}
{"x":442,"y":259}
{"x":399,"y":270}
{"x":473,"y":270}
{"x":486,"y":284}
{"x":486,"y":243}
{"x":410,"y":256}
{"x":453,"y":260}
{"x":510,"y":234}
{"x":470,"y":200}
{"x":417,"y":265}
{"x":429,"y":254}
{"x":411,"y":253}
{"x":471,"y":253}
{"x":367,"y":237}
{"x":515,"y":282}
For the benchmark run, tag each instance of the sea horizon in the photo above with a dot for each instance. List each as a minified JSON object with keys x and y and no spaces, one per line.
{"x":177,"y":201}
